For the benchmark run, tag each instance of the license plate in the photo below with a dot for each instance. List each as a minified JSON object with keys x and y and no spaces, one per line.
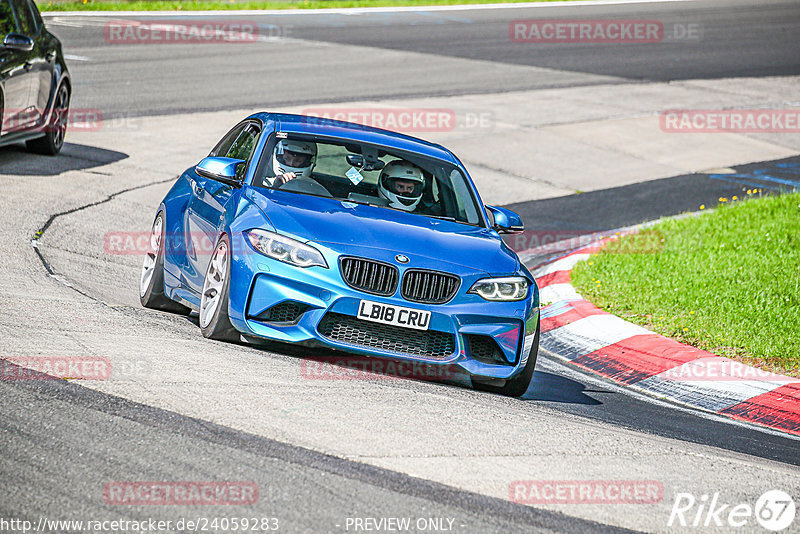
{"x":394,"y":315}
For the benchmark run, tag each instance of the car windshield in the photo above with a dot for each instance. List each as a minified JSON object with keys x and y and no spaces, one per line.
{"x":368,"y":174}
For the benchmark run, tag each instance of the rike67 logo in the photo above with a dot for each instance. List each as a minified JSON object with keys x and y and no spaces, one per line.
{"x":774,"y":511}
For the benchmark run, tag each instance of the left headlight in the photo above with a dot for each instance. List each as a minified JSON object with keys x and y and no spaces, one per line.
{"x":285,"y":249}
{"x":501,"y":289}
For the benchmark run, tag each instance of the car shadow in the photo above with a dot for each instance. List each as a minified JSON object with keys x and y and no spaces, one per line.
{"x":319,"y":362}
{"x":550,"y":387}
{"x":322,"y":363}
{"x":15,"y":160}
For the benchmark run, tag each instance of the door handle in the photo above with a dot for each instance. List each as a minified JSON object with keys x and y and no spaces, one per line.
{"x":198,"y":190}
{"x":28,"y":65}
{"x":51,"y":55}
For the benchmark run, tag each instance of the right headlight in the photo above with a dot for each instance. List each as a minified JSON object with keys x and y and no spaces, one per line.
{"x":285,"y":249}
{"x":501,"y":289}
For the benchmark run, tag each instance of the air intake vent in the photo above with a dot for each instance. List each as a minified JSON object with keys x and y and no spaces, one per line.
{"x":484,"y":349}
{"x":387,"y":338}
{"x":369,"y":276}
{"x":285,"y":312}
{"x":429,"y":287}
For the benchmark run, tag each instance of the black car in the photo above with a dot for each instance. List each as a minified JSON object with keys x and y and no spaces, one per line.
{"x":34,"y":81}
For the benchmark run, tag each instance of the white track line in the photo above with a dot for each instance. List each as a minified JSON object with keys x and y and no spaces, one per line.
{"x":711,"y":395}
{"x":557,"y":293}
{"x":555,"y":361}
{"x":566,"y":263}
{"x":596,"y":332}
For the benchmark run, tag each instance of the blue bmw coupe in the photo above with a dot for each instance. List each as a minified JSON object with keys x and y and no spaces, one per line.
{"x":306,"y":230}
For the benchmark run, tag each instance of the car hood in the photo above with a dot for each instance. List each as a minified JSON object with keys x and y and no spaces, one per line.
{"x":357,"y":228}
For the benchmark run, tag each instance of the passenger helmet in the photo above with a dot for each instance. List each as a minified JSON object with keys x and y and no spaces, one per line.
{"x":401,"y":183}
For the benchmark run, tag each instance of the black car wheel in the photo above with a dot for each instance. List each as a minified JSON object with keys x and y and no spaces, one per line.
{"x":51,"y":142}
{"x":517,"y":386}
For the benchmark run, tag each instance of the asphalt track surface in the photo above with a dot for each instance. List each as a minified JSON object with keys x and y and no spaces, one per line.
{"x":737,"y":38}
{"x":62,"y":441}
{"x":308,"y":491}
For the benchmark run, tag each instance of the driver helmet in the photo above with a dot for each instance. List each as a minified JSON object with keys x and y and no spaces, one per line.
{"x":294,"y":156}
{"x":401,"y":183}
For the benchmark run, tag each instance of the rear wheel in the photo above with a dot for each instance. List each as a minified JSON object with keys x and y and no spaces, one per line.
{"x":214,"y":320}
{"x":517,"y":386}
{"x":151,"y":281}
{"x":51,"y":142}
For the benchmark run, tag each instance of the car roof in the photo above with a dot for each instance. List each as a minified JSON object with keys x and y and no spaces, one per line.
{"x":305,"y":124}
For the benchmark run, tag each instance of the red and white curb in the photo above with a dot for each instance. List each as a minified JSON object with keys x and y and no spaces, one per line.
{"x":588,"y":337}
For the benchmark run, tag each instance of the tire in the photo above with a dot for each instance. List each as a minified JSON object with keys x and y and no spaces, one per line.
{"x":51,"y":142}
{"x":151,"y":281}
{"x":214,"y":299}
{"x":517,"y":386}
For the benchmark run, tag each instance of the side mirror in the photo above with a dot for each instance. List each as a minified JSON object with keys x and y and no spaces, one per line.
{"x":220,"y":169}
{"x":506,"y":221}
{"x":15,"y":41}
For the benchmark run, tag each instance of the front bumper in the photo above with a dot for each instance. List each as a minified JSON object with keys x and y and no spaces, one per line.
{"x":266,"y":296}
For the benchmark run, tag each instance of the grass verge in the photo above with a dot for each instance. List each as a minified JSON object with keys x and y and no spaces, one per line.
{"x":216,"y":5}
{"x":726,"y":281}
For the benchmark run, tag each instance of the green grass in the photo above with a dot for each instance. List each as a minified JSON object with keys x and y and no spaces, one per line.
{"x":205,"y":5}
{"x":726,"y":281}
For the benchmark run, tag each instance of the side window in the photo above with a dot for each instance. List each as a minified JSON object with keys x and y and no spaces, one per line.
{"x":225,"y":144}
{"x":242,"y":148}
{"x":264,"y":168}
{"x":37,"y":17}
{"x":26,"y":22}
{"x":6,"y":19}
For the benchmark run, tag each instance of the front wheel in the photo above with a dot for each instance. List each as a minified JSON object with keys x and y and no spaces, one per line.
{"x":151,"y":280}
{"x":517,"y":386}
{"x":214,"y":321}
{"x":51,"y":142}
